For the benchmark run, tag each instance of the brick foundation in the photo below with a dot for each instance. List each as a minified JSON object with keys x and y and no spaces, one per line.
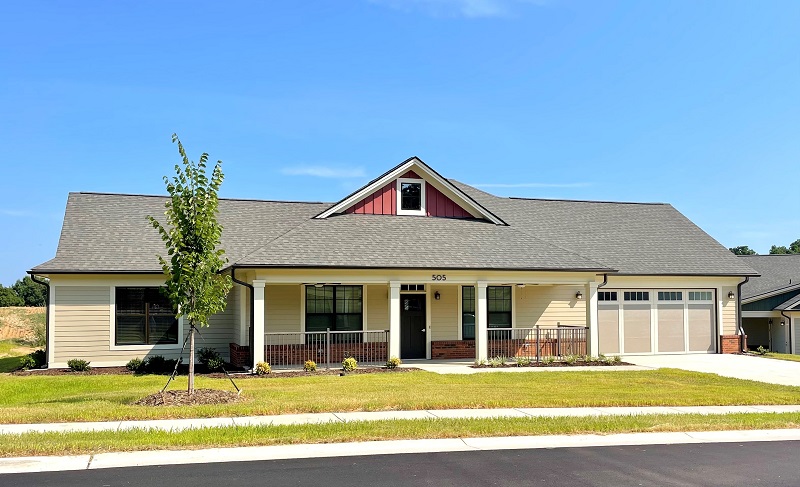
{"x":240,"y":355}
{"x":452,"y":349}
{"x":731,"y":343}
{"x":297,"y":354}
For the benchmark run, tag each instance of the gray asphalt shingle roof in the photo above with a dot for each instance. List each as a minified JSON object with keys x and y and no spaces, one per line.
{"x":110,"y":233}
{"x":778,"y":272}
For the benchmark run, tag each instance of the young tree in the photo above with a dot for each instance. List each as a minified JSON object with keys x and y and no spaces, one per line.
{"x":742,"y":250}
{"x":30,"y":291}
{"x":192,"y":236}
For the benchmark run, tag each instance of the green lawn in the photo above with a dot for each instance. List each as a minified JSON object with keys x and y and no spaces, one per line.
{"x":33,"y":399}
{"x":98,"y":442}
{"x":783,"y":356}
{"x":10,"y":353}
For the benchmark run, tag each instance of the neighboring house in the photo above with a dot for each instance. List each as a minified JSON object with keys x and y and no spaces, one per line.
{"x":434,"y":261}
{"x":771,"y":303}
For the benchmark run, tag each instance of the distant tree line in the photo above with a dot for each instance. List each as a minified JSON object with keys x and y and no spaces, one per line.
{"x":793,"y":248}
{"x":24,"y":292}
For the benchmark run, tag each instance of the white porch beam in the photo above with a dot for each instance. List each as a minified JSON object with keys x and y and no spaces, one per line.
{"x":591,"y":319}
{"x":481,"y":318}
{"x":394,"y":319}
{"x":259,"y":315}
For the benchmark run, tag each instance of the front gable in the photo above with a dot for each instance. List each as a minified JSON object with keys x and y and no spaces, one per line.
{"x":426,"y":194}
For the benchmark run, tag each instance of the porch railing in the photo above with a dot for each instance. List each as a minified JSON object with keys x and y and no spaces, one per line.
{"x":326,"y":348}
{"x":537,"y":342}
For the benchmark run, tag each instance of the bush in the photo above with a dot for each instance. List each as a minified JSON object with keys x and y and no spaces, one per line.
{"x":522,"y":361}
{"x":549,"y":360}
{"x":135,"y":365}
{"x":571,"y":359}
{"x":393,"y":363}
{"x":263,"y":368}
{"x":157,"y":364}
{"x":349,"y":364}
{"x":498,"y":361}
{"x":480,"y":363}
{"x":617,"y":359}
{"x":761,"y":350}
{"x":310,"y":366}
{"x":33,"y":360}
{"x":215,"y":363}
{"x":207,"y":354}
{"x":78,"y":365}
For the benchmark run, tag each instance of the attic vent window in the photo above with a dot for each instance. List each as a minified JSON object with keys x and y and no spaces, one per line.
{"x":411,"y":200}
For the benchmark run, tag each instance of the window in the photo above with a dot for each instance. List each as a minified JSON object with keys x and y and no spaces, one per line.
{"x":336,"y":307}
{"x":607,"y":296}
{"x":637,"y":296}
{"x":468,"y":313}
{"x":670,"y":296}
{"x":410,"y":196}
{"x":144,"y":316}
{"x":412,"y":287}
{"x":699,"y":295}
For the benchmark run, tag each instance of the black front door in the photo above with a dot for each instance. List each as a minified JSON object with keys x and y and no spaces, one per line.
{"x":412,"y":326}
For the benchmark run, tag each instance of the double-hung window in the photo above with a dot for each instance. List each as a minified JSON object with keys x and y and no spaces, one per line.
{"x":144,"y":316}
{"x":498,"y":303}
{"x":338,"y":308}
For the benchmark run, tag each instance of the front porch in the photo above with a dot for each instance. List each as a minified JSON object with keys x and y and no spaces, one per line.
{"x":452,"y":316}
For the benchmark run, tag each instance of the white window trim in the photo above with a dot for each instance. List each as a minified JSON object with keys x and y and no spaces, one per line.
{"x":400,"y":210}
{"x":135,"y":348}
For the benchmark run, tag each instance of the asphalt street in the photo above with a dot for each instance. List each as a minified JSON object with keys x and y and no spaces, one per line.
{"x":710,"y":464}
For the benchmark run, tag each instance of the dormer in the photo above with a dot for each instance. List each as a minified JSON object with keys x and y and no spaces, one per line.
{"x":412,"y":188}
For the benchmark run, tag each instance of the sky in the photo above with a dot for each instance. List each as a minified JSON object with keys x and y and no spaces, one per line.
{"x":693,"y":103}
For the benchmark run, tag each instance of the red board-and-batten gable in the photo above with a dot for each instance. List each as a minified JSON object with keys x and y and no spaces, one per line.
{"x":384,"y":201}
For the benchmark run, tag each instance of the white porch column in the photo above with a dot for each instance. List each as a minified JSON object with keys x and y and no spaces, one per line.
{"x":394,"y":319}
{"x":243,"y":337}
{"x":259,"y":312}
{"x":481,"y":317}
{"x":591,"y":319}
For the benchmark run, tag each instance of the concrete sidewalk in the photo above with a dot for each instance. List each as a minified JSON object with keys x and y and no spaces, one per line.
{"x":317,"y":418}
{"x":283,"y":452}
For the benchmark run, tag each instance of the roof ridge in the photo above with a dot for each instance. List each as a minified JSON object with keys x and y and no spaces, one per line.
{"x":266,"y":244}
{"x":139,"y":195}
{"x":587,"y":201}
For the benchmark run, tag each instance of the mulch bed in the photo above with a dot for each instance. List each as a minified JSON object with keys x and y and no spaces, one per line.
{"x":183,"y":398}
{"x":595,"y":363}
{"x":92,"y":371}
{"x":237,"y":375}
{"x":302,"y":373}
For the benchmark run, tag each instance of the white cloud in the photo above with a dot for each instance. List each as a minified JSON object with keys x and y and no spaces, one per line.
{"x":460,"y":8}
{"x":532,"y":185}
{"x":324,"y":172}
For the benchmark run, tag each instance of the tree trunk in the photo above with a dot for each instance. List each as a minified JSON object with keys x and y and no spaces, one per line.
{"x":191,"y":360}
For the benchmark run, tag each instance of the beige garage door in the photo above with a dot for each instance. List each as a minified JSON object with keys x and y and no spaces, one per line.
{"x":608,"y":329}
{"x":670,"y":328}
{"x":702,"y":329}
{"x":636,"y":328}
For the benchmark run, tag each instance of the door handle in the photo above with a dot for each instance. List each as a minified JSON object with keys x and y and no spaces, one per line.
{"x":423,"y":330}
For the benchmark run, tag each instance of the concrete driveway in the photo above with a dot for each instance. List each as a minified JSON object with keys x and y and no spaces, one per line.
{"x":737,"y":366}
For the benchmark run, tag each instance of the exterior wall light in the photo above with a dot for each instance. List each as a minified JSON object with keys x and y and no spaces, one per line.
{"x":437,"y":296}
{"x":579,"y":295}
{"x":731,"y":295}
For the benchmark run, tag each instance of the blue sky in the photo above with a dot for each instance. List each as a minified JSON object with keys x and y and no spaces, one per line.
{"x":689,"y":102}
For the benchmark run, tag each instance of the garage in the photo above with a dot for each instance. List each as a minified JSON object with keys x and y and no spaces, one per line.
{"x":649,"y":321}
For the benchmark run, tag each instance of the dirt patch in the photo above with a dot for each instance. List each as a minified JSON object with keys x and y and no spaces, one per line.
{"x":183,"y":398}
{"x":18,"y":322}
{"x":584,"y":363}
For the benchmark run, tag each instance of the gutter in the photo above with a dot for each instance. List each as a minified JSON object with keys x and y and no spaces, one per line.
{"x":46,"y":318}
{"x":739,"y":313}
{"x":252,"y":307}
{"x":605,"y":281}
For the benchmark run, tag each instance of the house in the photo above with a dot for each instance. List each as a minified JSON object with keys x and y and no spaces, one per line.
{"x":411,"y":265}
{"x":771,"y":303}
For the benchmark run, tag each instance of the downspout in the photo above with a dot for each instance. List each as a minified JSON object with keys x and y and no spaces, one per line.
{"x":605,"y":281}
{"x":252,"y":309}
{"x":46,"y":318}
{"x":739,"y":312}
{"x":788,"y":330}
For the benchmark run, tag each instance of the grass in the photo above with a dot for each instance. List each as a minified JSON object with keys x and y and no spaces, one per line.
{"x":783,"y":356}
{"x":65,"y":398}
{"x":137,"y":440}
{"x":10,"y":352}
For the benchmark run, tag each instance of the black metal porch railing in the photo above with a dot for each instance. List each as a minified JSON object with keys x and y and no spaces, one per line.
{"x":538,"y":342}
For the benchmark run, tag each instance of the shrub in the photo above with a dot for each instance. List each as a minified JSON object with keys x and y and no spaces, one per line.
{"x":549,"y":360}
{"x":135,"y":365}
{"x":761,"y":350}
{"x":33,"y":360}
{"x":263,"y":368}
{"x":78,"y":365}
{"x":310,"y":366}
{"x":617,"y":359}
{"x":571,"y":359}
{"x":215,"y":363}
{"x":157,"y":364}
{"x":522,"y":361}
{"x":349,"y":364}
{"x":480,"y":363}
{"x":393,"y":363}
{"x":207,"y":354}
{"x":498,"y":361}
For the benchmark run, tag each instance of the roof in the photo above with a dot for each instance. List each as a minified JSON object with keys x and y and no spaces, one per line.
{"x":779,"y":273}
{"x":789,"y":304}
{"x":110,"y":233}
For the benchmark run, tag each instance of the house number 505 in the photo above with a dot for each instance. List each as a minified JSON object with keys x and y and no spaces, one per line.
{"x":438,"y":277}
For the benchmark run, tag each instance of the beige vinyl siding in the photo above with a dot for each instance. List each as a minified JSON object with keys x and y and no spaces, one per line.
{"x":549,"y":306}
{"x":282,"y":308}
{"x":81,"y":328}
{"x":376,"y":314}
{"x":729,"y":323}
{"x":221,"y":329}
{"x":444,"y":313}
